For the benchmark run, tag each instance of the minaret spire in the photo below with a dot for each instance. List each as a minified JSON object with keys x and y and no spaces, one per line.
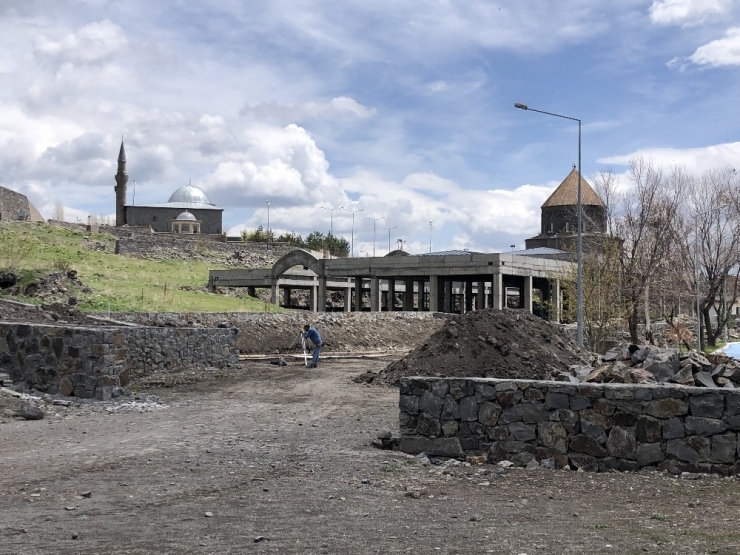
{"x":121,"y":178}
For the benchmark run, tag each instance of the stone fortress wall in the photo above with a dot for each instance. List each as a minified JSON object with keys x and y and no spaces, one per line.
{"x":594,"y":427}
{"x":97,"y":362}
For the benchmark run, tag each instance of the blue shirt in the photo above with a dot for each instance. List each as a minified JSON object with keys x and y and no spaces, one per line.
{"x":313,"y":335}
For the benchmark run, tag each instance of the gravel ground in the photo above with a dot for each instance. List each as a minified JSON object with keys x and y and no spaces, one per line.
{"x":264,"y":459}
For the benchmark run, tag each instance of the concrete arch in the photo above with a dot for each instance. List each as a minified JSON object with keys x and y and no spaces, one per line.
{"x":297,"y":258}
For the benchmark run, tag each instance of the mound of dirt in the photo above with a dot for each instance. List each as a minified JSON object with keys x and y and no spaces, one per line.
{"x":491,"y":344}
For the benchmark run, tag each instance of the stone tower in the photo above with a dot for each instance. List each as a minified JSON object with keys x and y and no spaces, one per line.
{"x":120,"y":188}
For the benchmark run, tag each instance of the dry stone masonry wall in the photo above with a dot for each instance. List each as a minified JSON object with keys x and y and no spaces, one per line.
{"x":99,"y":362}
{"x":596,"y":427}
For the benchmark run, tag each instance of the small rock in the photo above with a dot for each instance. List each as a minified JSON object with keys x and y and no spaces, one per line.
{"x":505,"y":464}
{"x":259,"y":539}
{"x":75,"y":535}
{"x":86,"y":494}
{"x":70,"y":508}
{"x":30,"y":412}
{"x":209,"y":514}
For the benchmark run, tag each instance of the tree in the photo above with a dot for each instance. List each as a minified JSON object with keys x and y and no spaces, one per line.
{"x":58,"y":214}
{"x":292,"y":239}
{"x":708,"y":236}
{"x":645,"y":223}
{"x":259,"y":235}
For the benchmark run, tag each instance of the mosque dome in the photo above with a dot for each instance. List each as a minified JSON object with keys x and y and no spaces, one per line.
{"x":190,"y":193}
{"x":186,"y":216}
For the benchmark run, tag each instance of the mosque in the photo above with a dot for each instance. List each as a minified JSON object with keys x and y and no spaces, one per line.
{"x":188,"y":210}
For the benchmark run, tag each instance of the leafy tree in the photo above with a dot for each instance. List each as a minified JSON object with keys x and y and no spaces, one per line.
{"x":292,"y":239}
{"x":259,"y":235}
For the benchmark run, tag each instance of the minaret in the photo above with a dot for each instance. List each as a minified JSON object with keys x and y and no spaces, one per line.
{"x":120,"y":188}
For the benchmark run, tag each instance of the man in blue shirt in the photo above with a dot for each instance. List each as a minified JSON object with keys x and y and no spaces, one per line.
{"x":310,"y":333}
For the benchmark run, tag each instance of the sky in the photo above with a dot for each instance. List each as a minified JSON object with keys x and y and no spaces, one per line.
{"x":402,"y":111}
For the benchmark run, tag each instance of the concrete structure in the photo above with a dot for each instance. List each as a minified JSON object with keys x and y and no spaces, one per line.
{"x":160,"y":216}
{"x":558,"y":224}
{"x":16,"y":207}
{"x":436,"y":283}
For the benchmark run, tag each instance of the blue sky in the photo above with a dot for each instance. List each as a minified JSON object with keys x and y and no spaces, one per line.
{"x":401,"y":109}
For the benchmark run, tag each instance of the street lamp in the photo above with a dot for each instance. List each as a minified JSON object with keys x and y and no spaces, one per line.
{"x":133,"y":208}
{"x":430,"y":236}
{"x":374,"y":220}
{"x":389,"y":235}
{"x":331,"y":219}
{"x":268,"y":222}
{"x":353,"y":225}
{"x":579,"y":208}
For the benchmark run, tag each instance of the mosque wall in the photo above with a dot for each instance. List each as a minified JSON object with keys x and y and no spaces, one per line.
{"x":159,"y":218}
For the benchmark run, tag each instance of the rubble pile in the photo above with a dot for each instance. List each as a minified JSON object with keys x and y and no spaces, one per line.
{"x":46,"y":313}
{"x":492,"y":344}
{"x":650,"y":364}
{"x":51,"y":287}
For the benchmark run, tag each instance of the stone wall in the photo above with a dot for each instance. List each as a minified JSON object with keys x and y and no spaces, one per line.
{"x":596,"y":427}
{"x":98,"y":362}
{"x":11,"y":203}
{"x":160,"y":217}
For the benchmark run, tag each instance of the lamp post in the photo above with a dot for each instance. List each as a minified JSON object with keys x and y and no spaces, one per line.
{"x":133,"y":207}
{"x":268,"y":222}
{"x":389,"y":235}
{"x":331,"y":219}
{"x":430,"y":236}
{"x":374,"y":220}
{"x":579,"y":208}
{"x":353,"y":225}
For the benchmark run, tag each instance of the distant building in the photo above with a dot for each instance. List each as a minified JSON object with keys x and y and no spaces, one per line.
{"x":559,"y":220}
{"x":16,"y":207}
{"x":188,"y":210}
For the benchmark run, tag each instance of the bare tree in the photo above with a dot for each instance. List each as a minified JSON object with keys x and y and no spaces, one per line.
{"x":644,"y":223}
{"x":708,"y":235}
{"x":58,"y":214}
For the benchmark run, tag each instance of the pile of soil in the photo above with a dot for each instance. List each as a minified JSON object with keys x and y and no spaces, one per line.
{"x":51,"y":287}
{"x":491,"y":344}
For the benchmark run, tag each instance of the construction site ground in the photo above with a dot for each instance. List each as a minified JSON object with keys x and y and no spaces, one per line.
{"x":270,"y":459}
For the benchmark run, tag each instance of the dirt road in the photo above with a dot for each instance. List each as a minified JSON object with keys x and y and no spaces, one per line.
{"x":277,"y":460}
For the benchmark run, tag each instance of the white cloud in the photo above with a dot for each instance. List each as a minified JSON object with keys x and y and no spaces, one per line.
{"x":339,"y":107}
{"x":720,"y":52}
{"x":93,"y":44}
{"x":686,"y":12}
{"x":693,"y":159}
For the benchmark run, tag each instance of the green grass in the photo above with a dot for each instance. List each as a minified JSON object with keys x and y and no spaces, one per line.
{"x":118,"y":283}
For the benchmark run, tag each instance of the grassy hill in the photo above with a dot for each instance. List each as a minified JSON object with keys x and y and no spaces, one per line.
{"x":117,"y":283}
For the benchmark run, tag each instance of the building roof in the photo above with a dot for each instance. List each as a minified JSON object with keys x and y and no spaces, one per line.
{"x":539,"y":251}
{"x":187,"y":216}
{"x":122,"y":153}
{"x":449,"y":253}
{"x":179,"y":206}
{"x":190,"y":193}
{"x":567,"y":193}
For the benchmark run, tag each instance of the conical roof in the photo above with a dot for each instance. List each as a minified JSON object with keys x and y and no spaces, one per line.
{"x":122,"y":153}
{"x":567,"y":193}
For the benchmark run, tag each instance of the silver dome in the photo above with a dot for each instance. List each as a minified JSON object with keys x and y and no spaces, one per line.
{"x":187,"y":216}
{"x":190,"y":193}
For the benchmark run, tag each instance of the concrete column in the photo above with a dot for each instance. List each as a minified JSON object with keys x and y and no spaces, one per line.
{"x":497,"y":292}
{"x":286,"y":296}
{"x":322,"y":295}
{"x":275,"y":293}
{"x":420,"y":295}
{"x":480,"y":299}
{"x":447,"y":303}
{"x":433,"y":293}
{"x":408,"y":296}
{"x":556,"y":301}
{"x":358,"y":294}
{"x":348,"y":299}
{"x":468,"y":297}
{"x":313,"y":304}
{"x":252,"y":291}
{"x":527,"y":293}
{"x":374,"y":294}
{"x":391,"y":298}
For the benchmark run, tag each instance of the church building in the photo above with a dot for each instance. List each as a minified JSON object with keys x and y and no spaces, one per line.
{"x":559,"y":220}
{"x":188,"y":210}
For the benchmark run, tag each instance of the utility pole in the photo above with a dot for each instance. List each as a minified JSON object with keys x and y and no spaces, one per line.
{"x":374,"y":220}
